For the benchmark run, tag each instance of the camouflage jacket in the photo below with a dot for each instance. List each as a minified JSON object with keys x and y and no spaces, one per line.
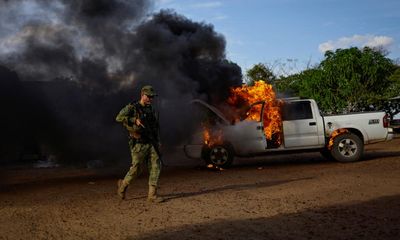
{"x":133,"y":111}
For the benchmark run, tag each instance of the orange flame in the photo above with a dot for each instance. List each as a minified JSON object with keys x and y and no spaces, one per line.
{"x":261,"y":91}
{"x":212,"y":138}
{"x":334,"y":134}
{"x":242,"y":97}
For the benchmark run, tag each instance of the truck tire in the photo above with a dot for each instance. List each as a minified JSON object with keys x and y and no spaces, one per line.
{"x":347,"y":147}
{"x":219,"y":155}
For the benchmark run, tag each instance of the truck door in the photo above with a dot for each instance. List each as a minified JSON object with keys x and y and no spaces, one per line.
{"x":248,"y":134}
{"x":300,"y":125}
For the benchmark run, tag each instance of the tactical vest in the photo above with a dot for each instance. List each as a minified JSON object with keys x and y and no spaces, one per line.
{"x":148,"y":134}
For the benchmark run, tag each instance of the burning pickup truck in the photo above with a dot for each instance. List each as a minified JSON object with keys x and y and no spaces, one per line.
{"x":292,"y":125}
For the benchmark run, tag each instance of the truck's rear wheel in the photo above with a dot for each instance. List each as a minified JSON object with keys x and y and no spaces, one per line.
{"x":347,"y":147}
{"x":219,"y":155}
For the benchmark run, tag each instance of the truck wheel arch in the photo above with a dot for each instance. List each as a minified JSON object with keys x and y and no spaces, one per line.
{"x":352,"y":130}
{"x":357,"y":132}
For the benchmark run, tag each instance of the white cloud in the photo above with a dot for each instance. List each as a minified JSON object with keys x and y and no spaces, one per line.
{"x":220,"y":17}
{"x":207,"y":5}
{"x":163,"y":1}
{"x":357,"y":41}
{"x":159,"y":4}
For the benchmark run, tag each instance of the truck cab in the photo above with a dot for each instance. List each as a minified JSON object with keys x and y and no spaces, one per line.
{"x":303,"y":125}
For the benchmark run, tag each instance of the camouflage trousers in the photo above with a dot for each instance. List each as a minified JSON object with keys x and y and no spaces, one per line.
{"x":143,"y":153}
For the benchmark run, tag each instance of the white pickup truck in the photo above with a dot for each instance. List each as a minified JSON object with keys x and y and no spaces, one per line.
{"x":340,"y":137}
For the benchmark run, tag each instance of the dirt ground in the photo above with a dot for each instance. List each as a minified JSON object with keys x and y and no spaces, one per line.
{"x":300,"y":196}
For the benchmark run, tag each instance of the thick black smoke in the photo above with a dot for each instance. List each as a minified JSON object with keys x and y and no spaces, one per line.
{"x":72,"y":65}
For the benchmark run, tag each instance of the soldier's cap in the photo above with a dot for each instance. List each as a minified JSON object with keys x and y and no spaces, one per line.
{"x":149,"y":91}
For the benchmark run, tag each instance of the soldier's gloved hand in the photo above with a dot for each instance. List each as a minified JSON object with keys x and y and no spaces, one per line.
{"x":139,"y":123}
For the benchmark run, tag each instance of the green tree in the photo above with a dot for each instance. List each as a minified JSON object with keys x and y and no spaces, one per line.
{"x":346,"y":80}
{"x":259,"y":72}
{"x":360,"y":77}
{"x":394,"y":87}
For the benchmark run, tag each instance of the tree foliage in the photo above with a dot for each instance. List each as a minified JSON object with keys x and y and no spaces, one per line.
{"x":346,"y":80}
{"x":259,"y":72}
{"x":394,"y":87}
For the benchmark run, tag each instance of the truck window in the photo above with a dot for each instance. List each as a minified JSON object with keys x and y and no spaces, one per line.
{"x":202,"y":115}
{"x":254,"y":112}
{"x":297,"y":111}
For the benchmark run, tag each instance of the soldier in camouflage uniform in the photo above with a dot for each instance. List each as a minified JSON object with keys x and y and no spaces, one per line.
{"x":140,"y":121}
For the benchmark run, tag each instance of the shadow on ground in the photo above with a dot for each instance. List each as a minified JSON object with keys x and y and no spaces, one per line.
{"x":379,"y":155}
{"x":231,"y":187}
{"x":312,"y":158}
{"x":375,"y":219}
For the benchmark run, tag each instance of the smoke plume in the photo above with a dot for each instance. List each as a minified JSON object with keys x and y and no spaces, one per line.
{"x":69,"y":66}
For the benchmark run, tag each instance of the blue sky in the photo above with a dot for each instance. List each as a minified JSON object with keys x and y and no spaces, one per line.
{"x":272,"y":31}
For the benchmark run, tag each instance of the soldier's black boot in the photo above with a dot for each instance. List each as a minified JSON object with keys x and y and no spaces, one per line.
{"x":121,"y":188}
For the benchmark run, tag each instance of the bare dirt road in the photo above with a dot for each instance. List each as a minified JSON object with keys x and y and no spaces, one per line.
{"x":298,"y":196}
